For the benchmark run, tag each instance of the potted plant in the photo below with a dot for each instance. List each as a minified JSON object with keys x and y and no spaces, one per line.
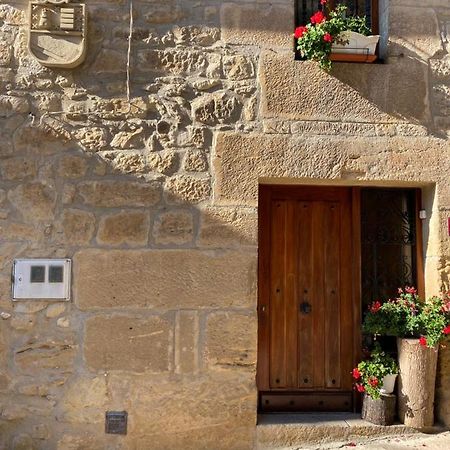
{"x":334,"y":31}
{"x":375,"y":377}
{"x":419,"y":327}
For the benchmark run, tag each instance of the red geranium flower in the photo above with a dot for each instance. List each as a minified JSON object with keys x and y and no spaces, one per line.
{"x":327,"y":37}
{"x":373,"y":381}
{"x":318,"y":17}
{"x":299,"y":32}
{"x":375,"y":307}
{"x":356,"y":374}
{"x":323,"y":2}
{"x":410,"y":290}
{"x":446,"y":330}
{"x":423,"y":341}
{"x":360,"y":388}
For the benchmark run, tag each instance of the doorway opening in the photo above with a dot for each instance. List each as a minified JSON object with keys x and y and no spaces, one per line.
{"x":325,"y":253}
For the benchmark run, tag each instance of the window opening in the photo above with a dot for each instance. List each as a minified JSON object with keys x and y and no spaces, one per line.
{"x":368,"y":8}
{"x":388,"y":242}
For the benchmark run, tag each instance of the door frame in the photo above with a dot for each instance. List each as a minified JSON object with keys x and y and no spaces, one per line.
{"x":262,"y":370}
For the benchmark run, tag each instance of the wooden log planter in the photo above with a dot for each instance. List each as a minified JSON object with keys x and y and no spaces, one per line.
{"x":416,"y":383}
{"x":380,"y":411}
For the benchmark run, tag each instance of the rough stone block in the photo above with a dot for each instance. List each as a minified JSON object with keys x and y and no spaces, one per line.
{"x":416,"y":29}
{"x":300,"y":90}
{"x":186,"y":342}
{"x":18,"y":168}
{"x":231,"y":340}
{"x":93,"y":139}
{"x":243,"y":159}
{"x":195,"y":411}
{"x":163,"y":12}
{"x":228,"y":227}
{"x":84,"y":401}
{"x":217,"y":108}
{"x":163,"y":279}
{"x":265,"y":25}
{"x":127,"y":227}
{"x":77,"y":226}
{"x":187,"y":188}
{"x":133,"y":344}
{"x":195,"y":161}
{"x":173,"y":227}
{"x":52,"y":354}
{"x":22,"y":322}
{"x":407,"y":95}
{"x":10,"y":105}
{"x":55,"y":310}
{"x":72,"y":166}
{"x":13,"y":231}
{"x":238,"y":67}
{"x":110,"y":61}
{"x":36,"y":201}
{"x":120,"y":193}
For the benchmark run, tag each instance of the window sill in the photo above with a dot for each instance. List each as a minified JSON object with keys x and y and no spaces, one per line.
{"x":352,"y":57}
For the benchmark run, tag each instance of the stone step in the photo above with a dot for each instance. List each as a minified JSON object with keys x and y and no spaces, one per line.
{"x":280,"y":431}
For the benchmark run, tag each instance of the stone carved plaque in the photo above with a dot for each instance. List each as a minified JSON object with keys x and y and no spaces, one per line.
{"x":57,"y":32}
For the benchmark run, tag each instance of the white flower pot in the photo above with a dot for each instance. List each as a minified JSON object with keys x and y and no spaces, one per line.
{"x":357,"y":44}
{"x":388,"y":384}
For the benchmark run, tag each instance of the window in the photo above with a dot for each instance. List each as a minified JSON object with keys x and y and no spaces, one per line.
{"x":368,"y":8}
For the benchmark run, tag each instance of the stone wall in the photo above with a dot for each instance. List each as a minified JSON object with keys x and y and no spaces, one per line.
{"x":155,"y":199}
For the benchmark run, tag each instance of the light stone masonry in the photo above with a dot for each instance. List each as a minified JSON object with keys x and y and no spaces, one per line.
{"x":155,"y":198}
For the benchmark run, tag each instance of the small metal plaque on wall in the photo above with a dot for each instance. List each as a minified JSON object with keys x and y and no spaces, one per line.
{"x":116,"y":422}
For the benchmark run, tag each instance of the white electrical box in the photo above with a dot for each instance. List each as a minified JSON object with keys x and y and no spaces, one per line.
{"x":34,"y":279}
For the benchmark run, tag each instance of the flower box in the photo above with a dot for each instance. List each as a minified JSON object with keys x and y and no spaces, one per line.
{"x":357,"y":47}
{"x":335,"y":35}
{"x":356,"y":43}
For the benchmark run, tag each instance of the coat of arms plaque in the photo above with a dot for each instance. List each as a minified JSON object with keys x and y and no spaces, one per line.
{"x":57,"y":32}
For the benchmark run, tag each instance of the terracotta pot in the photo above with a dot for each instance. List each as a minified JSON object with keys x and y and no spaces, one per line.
{"x":416,"y":383}
{"x":388,"y":384}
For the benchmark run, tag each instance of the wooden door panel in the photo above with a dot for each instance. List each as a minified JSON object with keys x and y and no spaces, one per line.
{"x":332,"y":293}
{"x":277,"y":295}
{"x":304,"y":226}
{"x":308,"y":327}
{"x":291,"y":296}
{"x":318,"y":305}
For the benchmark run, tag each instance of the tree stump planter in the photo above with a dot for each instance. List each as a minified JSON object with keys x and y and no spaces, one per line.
{"x":380,"y":411}
{"x":416,"y":383}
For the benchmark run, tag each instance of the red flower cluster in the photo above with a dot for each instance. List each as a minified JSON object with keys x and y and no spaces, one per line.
{"x":410,"y":290}
{"x":318,"y":17}
{"x":446,"y":307}
{"x":299,"y":32}
{"x":373,"y":381}
{"x":360,"y":387}
{"x":446,"y":330}
{"x":327,"y":37}
{"x":375,"y":307}
{"x":356,"y":374}
{"x":323,"y":2}
{"x":423,"y":341}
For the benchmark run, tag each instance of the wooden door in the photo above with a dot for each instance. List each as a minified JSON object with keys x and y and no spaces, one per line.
{"x":308,"y":318}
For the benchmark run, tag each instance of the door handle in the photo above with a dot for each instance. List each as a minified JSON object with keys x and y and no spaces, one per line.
{"x":305,"y":308}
